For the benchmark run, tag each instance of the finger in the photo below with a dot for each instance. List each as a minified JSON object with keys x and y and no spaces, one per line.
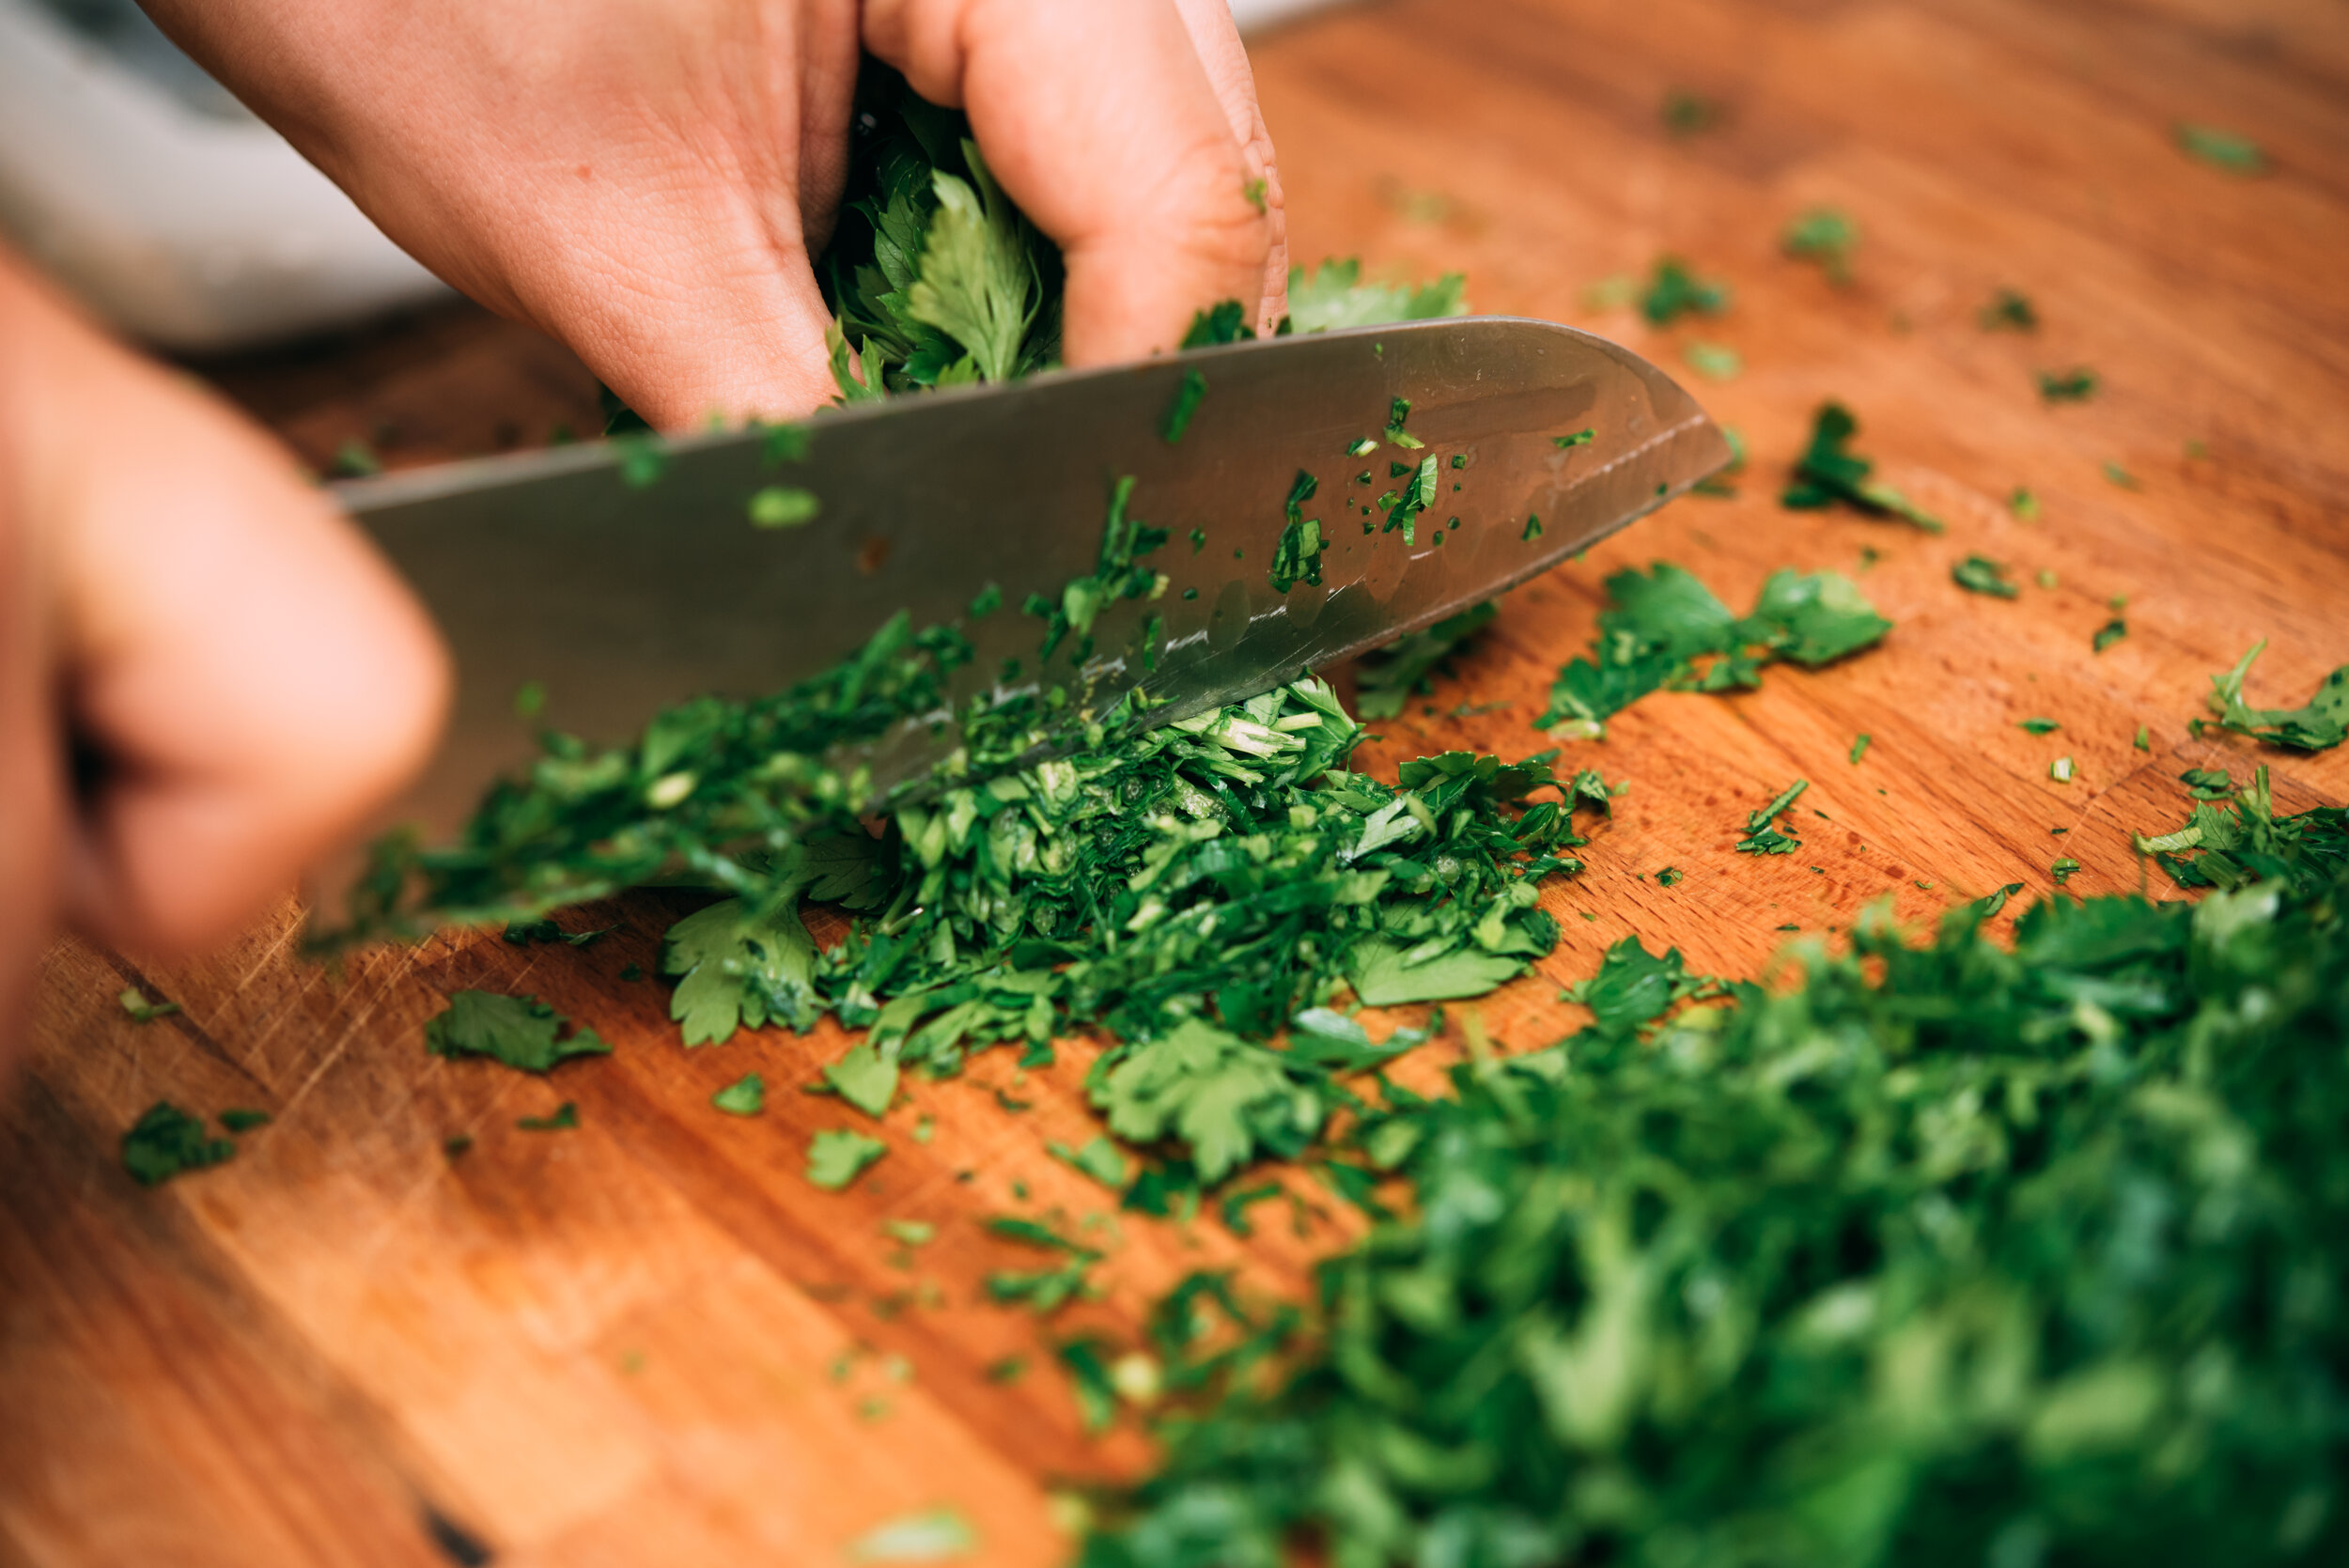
{"x":1225,"y":60}
{"x":1097,"y":118}
{"x":627,"y":178}
{"x":255,"y":682}
{"x":31,"y":790}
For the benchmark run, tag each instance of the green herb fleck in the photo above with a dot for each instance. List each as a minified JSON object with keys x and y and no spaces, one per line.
{"x":1829,"y":471}
{"x":1666,"y":629}
{"x":1674,"y":292}
{"x":2076,"y":385}
{"x":2008,"y":311}
{"x":1186,"y":403}
{"x":165,"y":1141}
{"x":2109,"y":633}
{"x":2040,"y":726}
{"x":565,"y":1117}
{"x":519,"y":1032}
{"x":134,"y":1002}
{"x":1859,"y":749}
{"x":1714,"y":362}
{"x":1763,"y":836}
{"x":933,"y":1535}
{"x":2221,"y":150}
{"x":1825,"y":236}
{"x":1979,"y":574}
{"x":839,"y":1156}
{"x":2317,"y":725}
{"x":785,"y":506}
{"x":238,"y":1119}
{"x":745,"y":1097}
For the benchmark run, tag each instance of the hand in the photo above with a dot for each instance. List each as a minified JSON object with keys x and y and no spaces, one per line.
{"x":247,"y":682}
{"x":645,"y":180}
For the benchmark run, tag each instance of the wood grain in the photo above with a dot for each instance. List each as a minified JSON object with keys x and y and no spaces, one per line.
{"x":650,"y":1340}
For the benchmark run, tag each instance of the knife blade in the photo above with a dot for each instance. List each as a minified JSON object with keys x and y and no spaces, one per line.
{"x":613,"y":594}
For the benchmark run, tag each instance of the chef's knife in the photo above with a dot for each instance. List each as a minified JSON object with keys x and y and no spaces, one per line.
{"x":614,"y":579}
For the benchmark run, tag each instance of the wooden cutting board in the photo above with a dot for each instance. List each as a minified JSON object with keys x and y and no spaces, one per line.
{"x":650,"y":1340}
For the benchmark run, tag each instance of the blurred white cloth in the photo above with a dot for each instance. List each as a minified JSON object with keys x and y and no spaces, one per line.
{"x":140,"y":184}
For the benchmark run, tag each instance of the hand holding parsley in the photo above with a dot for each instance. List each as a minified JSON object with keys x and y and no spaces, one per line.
{"x":244,"y":682}
{"x":647,"y":182}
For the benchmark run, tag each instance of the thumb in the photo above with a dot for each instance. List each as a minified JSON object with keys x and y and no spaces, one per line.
{"x":249,"y":680}
{"x":1099,"y":119}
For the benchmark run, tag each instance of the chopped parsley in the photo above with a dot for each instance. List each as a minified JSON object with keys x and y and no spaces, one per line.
{"x":1859,"y":749}
{"x":1871,"y":1263}
{"x":2221,"y":149}
{"x":932,"y":1535}
{"x":166,"y":1141}
{"x":1666,"y":630}
{"x":1979,"y":574}
{"x":1187,"y":399}
{"x":2319,"y":724}
{"x":1579,"y":438}
{"x":1827,"y":237}
{"x":1763,"y":835}
{"x":564,"y":1118}
{"x":1714,"y":362}
{"x":1829,"y":471}
{"x":519,"y":1032}
{"x":1688,"y":113}
{"x":2076,"y":385}
{"x":2024,"y":505}
{"x":745,"y":1097}
{"x":2109,"y":634}
{"x":2039,"y":727}
{"x":2062,"y":869}
{"x":1670,"y":877}
{"x":240,"y":1119}
{"x":2008,"y":311}
{"x":1673,"y":292}
{"x":1333,"y":295}
{"x":839,"y":1156}
{"x":784,"y":507}
{"x":134,"y":1002}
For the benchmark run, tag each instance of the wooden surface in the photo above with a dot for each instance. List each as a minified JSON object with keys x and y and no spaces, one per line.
{"x":618,"y":1344}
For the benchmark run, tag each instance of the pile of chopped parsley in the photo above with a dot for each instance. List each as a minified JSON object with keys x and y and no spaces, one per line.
{"x":1189,"y":891}
{"x":1945,"y":1253}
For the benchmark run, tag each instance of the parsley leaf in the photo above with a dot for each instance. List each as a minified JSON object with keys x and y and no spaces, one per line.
{"x":1829,"y":471}
{"x":519,"y":1032}
{"x":1979,"y":574}
{"x":2008,"y":311}
{"x":2221,"y":150}
{"x":1187,"y":400}
{"x":166,"y":1141}
{"x":837,"y":1157}
{"x":2076,"y":385}
{"x":745,"y":1097}
{"x":1674,"y":292}
{"x":565,"y":1117}
{"x":1763,"y":835}
{"x":2319,"y":724}
{"x":141,"y":1010}
{"x":1825,"y":236}
{"x":1668,"y":630}
{"x":1333,"y":295}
